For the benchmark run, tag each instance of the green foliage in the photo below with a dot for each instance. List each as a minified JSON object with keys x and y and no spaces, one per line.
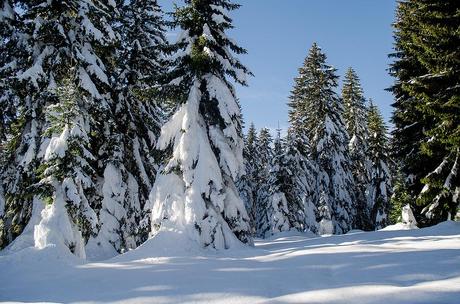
{"x":400,"y":198}
{"x":426,"y":136}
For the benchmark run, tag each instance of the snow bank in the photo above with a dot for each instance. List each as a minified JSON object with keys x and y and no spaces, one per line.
{"x":408,"y":267}
{"x":169,"y":242}
{"x":399,"y":226}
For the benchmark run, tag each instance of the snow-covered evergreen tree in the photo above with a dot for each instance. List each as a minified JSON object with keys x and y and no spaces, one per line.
{"x":355,"y":117}
{"x":247,"y":184}
{"x":7,"y":66}
{"x":68,"y":182}
{"x":274,"y":212}
{"x":301,"y":188}
{"x":73,"y":37}
{"x":264,"y":157}
{"x":329,"y":140}
{"x":379,"y":189}
{"x":195,"y":192}
{"x":129,"y":162}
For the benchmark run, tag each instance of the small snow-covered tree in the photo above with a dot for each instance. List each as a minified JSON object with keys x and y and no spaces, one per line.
{"x":195,"y":191}
{"x":355,"y":117}
{"x":329,"y":140}
{"x":379,"y":189}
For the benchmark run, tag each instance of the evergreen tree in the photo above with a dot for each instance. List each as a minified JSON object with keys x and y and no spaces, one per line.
{"x":195,"y":192}
{"x":379,"y":188}
{"x":68,"y":183}
{"x":247,"y":184}
{"x":264,"y":157}
{"x":355,"y":117}
{"x":426,"y":91}
{"x":275,"y":214}
{"x":399,"y":199}
{"x":131,"y":164}
{"x":73,"y":37}
{"x":8,"y":48}
{"x":329,"y":139}
{"x":300,"y":187}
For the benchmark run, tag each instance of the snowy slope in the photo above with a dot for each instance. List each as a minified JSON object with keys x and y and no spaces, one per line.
{"x":405,"y":266}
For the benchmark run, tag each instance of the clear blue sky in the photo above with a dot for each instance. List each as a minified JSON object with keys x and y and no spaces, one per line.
{"x":278,"y":34}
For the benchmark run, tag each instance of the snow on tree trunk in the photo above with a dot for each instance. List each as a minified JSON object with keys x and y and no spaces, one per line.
{"x":56,"y":228}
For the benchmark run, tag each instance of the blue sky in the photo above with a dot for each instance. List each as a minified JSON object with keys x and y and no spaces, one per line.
{"x":279,"y":33}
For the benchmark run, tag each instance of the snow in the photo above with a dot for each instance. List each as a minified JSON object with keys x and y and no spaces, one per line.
{"x":406,"y":266}
{"x":57,"y":230}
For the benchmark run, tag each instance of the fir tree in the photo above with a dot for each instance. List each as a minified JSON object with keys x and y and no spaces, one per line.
{"x":130,"y":162}
{"x":195,"y":192}
{"x":399,"y":199}
{"x":300,"y":188}
{"x":379,"y":188}
{"x":426,"y":91}
{"x":72,"y":37}
{"x":68,"y":174}
{"x":275,"y":215}
{"x":355,"y":117}
{"x":247,"y":184}
{"x":329,"y":139}
{"x":264,"y":157}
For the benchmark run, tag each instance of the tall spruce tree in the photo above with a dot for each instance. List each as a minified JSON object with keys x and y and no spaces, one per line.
{"x":72,"y":40}
{"x":247,"y":184}
{"x":300,"y":187}
{"x":379,"y":189}
{"x":195,"y":192}
{"x":355,"y":116}
{"x":130,"y":163}
{"x":427,"y":100}
{"x":264,"y":156}
{"x":275,"y":214}
{"x":329,"y":140}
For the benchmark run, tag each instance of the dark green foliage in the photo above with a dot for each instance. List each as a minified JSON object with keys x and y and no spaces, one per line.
{"x":426,"y":136}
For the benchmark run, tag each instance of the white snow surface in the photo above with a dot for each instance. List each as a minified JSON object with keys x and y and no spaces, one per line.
{"x":404,"y":266}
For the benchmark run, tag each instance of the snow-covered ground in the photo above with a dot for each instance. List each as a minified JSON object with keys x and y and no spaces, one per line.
{"x":392,"y":266}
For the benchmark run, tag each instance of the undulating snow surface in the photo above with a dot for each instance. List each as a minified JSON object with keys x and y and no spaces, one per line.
{"x":398,"y":266}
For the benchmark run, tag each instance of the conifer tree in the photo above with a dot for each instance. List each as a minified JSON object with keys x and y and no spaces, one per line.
{"x":275,"y":215}
{"x":68,"y":175}
{"x":400,"y":198}
{"x":247,"y":184}
{"x":379,"y":188}
{"x":130,"y":164}
{"x":73,"y":37}
{"x":329,"y":140}
{"x":195,"y":192}
{"x":355,"y":116}
{"x":7,"y":63}
{"x":426,"y":91}
{"x":264,"y":156}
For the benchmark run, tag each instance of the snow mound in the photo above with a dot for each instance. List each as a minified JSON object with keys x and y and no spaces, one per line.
{"x":291,"y":233}
{"x":355,"y":231}
{"x":399,"y":226}
{"x":167,"y":243}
